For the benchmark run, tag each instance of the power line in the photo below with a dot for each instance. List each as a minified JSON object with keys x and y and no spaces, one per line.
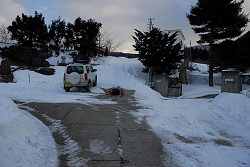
{"x":160,"y":14}
{"x":170,"y":10}
{"x":173,"y":8}
{"x":163,"y":9}
{"x":178,"y":4}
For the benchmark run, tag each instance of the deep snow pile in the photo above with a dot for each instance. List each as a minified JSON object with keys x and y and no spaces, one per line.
{"x":236,"y":105}
{"x":200,"y":75}
{"x":197,"y":132}
{"x":25,"y":141}
{"x":201,"y":132}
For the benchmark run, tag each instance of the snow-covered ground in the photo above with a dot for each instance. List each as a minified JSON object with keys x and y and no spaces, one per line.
{"x":196,"y":132}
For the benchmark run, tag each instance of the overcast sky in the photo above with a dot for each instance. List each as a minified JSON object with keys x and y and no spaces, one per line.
{"x":118,"y":17}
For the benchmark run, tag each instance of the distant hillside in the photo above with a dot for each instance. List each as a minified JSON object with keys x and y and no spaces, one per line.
{"x":202,"y":47}
{"x":200,"y":54}
{"x":121,"y":54}
{"x":2,"y":45}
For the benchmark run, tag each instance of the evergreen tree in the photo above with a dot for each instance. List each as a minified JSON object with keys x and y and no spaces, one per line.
{"x":85,"y":37}
{"x":234,"y":54}
{"x":244,"y":54}
{"x":30,"y":31}
{"x":215,"y":20}
{"x":199,"y":55}
{"x":69,"y":36}
{"x":226,"y":54}
{"x":57,"y":34}
{"x":157,"y":50}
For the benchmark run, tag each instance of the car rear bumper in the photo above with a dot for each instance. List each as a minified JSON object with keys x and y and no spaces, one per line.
{"x":80,"y":84}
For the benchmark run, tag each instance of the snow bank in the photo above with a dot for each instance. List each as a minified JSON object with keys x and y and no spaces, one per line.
{"x":55,"y":59}
{"x":248,"y":93}
{"x":30,"y":86}
{"x":203,"y":68}
{"x":200,"y":75}
{"x":2,"y":45}
{"x":25,"y":140}
{"x":188,"y":127}
{"x":113,"y":72}
{"x":237,"y":105}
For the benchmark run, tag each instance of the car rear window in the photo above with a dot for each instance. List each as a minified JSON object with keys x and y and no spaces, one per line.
{"x":78,"y":69}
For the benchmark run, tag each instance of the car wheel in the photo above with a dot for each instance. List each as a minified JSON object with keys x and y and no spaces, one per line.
{"x":67,"y":89}
{"x":88,"y":87}
{"x":95,"y":83}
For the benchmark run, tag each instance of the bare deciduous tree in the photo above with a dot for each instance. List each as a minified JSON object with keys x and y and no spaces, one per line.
{"x":105,"y":41}
{"x":4,"y":34}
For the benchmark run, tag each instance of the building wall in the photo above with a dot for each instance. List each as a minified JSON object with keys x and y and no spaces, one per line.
{"x":180,"y":37}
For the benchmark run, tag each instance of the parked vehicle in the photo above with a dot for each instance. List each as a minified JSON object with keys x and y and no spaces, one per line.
{"x":79,"y":75}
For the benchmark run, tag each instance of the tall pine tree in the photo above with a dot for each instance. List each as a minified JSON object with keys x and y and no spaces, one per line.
{"x":215,"y":20}
{"x":85,"y":37}
{"x":157,"y":50}
{"x":57,"y":34}
{"x":234,"y":54}
{"x":30,"y":31}
{"x":69,"y":36}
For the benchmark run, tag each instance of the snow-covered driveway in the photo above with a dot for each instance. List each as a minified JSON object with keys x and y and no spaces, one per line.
{"x":198,"y":132}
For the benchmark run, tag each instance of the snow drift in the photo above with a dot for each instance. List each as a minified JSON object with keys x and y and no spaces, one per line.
{"x":25,"y":141}
{"x":197,"y":132}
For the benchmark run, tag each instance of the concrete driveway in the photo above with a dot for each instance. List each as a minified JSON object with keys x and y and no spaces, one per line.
{"x":100,"y":135}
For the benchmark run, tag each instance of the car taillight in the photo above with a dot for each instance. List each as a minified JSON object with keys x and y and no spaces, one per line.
{"x":86,"y":76}
{"x":64,"y":77}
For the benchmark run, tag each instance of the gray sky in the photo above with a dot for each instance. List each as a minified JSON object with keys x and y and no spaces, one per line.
{"x":118,"y":17}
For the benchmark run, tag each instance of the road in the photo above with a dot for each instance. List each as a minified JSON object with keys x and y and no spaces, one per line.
{"x":100,"y":135}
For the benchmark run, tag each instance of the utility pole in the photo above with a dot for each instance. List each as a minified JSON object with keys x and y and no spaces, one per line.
{"x":191,"y":59}
{"x":150,"y":24}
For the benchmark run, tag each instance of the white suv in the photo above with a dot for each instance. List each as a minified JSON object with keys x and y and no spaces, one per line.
{"x":79,"y":75}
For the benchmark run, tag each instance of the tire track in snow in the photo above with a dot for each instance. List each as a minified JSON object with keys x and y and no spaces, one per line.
{"x":70,"y":148}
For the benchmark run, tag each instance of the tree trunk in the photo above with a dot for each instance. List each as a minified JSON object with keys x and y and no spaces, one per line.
{"x":211,"y":65}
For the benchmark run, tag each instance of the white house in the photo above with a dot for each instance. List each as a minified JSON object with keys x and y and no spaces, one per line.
{"x":180,"y":37}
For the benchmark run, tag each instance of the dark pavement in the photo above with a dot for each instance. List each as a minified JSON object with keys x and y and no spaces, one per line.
{"x":106,"y":135}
